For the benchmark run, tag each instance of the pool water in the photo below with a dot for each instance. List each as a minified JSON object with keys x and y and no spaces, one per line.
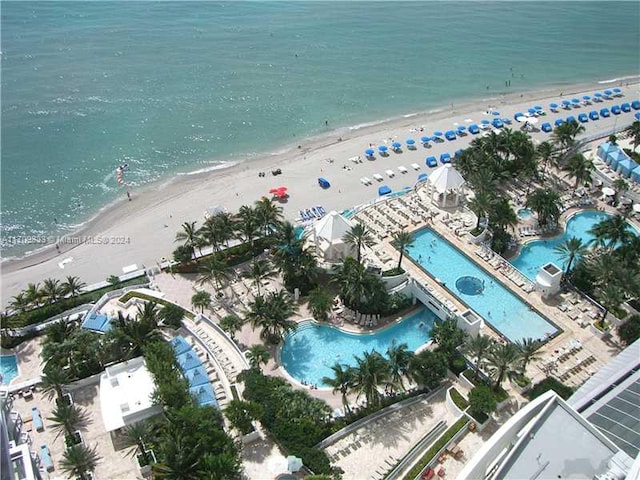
{"x":525,"y":213}
{"x":8,"y":368}
{"x":537,"y":253}
{"x":309,"y":353}
{"x":506,"y":313}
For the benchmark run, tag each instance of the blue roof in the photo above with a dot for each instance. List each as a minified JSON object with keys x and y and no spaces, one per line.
{"x":180,"y":345}
{"x":197,"y":376}
{"x":627,"y":164}
{"x":97,"y":322}
{"x":188,"y":360}
{"x":204,"y":395}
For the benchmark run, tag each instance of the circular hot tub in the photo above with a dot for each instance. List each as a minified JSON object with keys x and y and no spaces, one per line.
{"x":470,"y":285}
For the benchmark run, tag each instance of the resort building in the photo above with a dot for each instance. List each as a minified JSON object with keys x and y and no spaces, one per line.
{"x":592,"y":435}
{"x":126,"y":391}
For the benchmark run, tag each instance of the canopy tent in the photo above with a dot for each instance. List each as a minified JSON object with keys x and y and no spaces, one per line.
{"x":604,"y":149}
{"x":594,"y":115}
{"x":615,"y":109}
{"x":204,"y":395}
{"x":615,"y":157}
{"x":431,"y":161}
{"x":188,"y":360}
{"x":546,"y":127}
{"x":444,"y":182}
{"x":180,"y":345}
{"x":197,"y":376}
{"x":626,"y":166}
{"x":327,"y":235}
{"x":604,"y":112}
{"x":384,"y":190}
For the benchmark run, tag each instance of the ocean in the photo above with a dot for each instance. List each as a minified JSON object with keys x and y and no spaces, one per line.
{"x":172,"y":88}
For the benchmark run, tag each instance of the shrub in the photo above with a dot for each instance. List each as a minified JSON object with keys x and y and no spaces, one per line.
{"x":547,"y":384}
{"x":457,"y":365}
{"x":393,"y":272}
{"x":458,"y":399}
{"x":630,"y":331}
{"x":482,"y":400}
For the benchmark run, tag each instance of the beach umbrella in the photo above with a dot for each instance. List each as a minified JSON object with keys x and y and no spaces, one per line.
{"x":369,"y":152}
{"x":382,"y":148}
{"x":617,"y":90}
{"x":461,"y":128}
{"x":571,"y":118}
{"x":486,"y":121}
{"x":635,"y":104}
{"x":293,"y":463}
{"x":553,"y":105}
{"x":532,"y":111}
{"x":458,"y":153}
{"x":384,"y":190}
{"x":473,"y":128}
{"x":518,"y":114}
{"x":521,"y":118}
{"x":637,"y":115}
{"x":604,"y":112}
{"x":496,"y":113}
{"x":608,"y":92}
{"x":636,"y":207}
{"x":410,"y":141}
{"x":586,"y":97}
{"x":537,"y":107}
{"x":558,"y":122}
{"x":274,"y":190}
{"x":437,"y":133}
{"x":575,"y":101}
{"x":625,"y":107}
{"x":422,"y":176}
{"x":597,"y":95}
{"x":396,"y":145}
{"x":615,"y":109}
{"x":450,"y":135}
{"x":497,"y":123}
{"x":506,"y":120}
{"x":425,"y":139}
{"x":566,"y":103}
{"x":608,"y":191}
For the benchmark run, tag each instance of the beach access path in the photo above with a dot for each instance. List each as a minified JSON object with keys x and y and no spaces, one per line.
{"x":142,"y":231}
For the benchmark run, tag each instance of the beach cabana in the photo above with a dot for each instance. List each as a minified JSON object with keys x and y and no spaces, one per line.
{"x":197,"y":376}
{"x":604,"y":112}
{"x":615,"y":157}
{"x":458,"y":153}
{"x":604,"y":149}
{"x":431,"y":161}
{"x":558,"y":122}
{"x":625,"y":107}
{"x":583,"y":118}
{"x":327,"y":237}
{"x":497,"y":123}
{"x":450,"y":135}
{"x":474,"y":129}
{"x":593,"y":115}
{"x":188,"y":360}
{"x":635,"y":104}
{"x":635,"y":175}
{"x":445,"y":158}
{"x":180,"y":345}
{"x":626,"y":166}
{"x":615,"y":109}
{"x":204,"y":395}
{"x":571,"y":118}
{"x":444,"y":186}
{"x":546,"y":127}
{"x":384,"y":190}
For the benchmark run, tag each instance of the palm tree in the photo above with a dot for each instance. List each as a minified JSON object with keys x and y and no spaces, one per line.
{"x":67,"y":419}
{"x":133,"y":335}
{"x":72,"y":286}
{"x":579,"y":167}
{"x":201,"y":299}
{"x":611,"y":231}
{"x":447,"y":335}
{"x":79,"y":461}
{"x":359,"y":236}
{"x":351,"y":277}
{"x":214,"y":272}
{"x":231,"y":324}
{"x":620,"y":185}
{"x":611,"y":296}
{"x":342,"y":381}
{"x":503,"y":215}
{"x":565,"y":134}
{"x":53,"y":380}
{"x":371,"y":372}
{"x":51,"y":290}
{"x":258,"y":355}
{"x":320,"y":302}
{"x":247,"y":225}
{"x":271,"y":314}
{"x":546,"y":204}
{"x":503,"y":359}
{"x":633,"y":131}
{"x":171,"y":315}
{"x":528,"y":349}
{"x":180,"y":462}
{"x":138,"y":434}
{"x":481,"y":204}
{"x":32,"y":294}
{"x":399,"y":357}
{"x":268,"y":214}
{"x":188,"y":236}
{"x":403,"y":240}
{"x":477,"y":348}
{"x":570,"y":250}
{"x":19,"y":303}
{"x":260,"y":270}
{"x":546,"y":153}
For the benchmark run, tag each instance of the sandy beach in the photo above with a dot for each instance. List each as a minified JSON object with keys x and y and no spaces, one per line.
{"x":142,"y":231}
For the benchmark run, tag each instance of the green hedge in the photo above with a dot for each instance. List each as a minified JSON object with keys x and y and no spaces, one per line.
{"x":148,"y":298}
{"x":232,"y":256}
{"x":433,"y":451}
{"x":42,"y":314}
{"x":458,"y":399}
{"x":547,"y":384}
{"x":393,"y":272}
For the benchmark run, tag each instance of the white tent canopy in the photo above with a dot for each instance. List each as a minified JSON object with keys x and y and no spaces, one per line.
{"x":327,"y":236}
{"x":444,"y":185}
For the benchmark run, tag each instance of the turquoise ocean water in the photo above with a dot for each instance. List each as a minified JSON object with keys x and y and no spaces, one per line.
{"x":176,"y":87}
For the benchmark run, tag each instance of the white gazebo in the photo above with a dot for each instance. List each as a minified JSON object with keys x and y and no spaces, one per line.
{"x":327,"y":237}
{"x":444,"y":186}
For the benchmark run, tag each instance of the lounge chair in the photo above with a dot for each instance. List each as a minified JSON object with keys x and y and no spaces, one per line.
{"x":45,"y":456}
{"x":378,"y":177}
{"x":415,"y":166}
{"x":363,"y":180}
{"x":390,"y":173}
{"x":402,"y":169}
{"x":37,"y":419}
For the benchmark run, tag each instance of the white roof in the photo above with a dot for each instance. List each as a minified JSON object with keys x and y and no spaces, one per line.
{"x":125,"y":394}
{"x":445,"y":178}
{"x":332,"y":227}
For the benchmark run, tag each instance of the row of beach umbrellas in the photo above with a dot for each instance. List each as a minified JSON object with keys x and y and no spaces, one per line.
{"x":597,"y":96}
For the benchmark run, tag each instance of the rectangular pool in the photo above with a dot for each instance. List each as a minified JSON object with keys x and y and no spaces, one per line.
{"x":503,"y":310}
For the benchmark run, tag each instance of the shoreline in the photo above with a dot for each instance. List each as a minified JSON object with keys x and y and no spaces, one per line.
{"x":178,"y":199}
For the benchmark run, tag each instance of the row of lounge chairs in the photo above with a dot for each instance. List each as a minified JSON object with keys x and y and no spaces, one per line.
{"x":312,"y":213}
{"x":220,"y":356}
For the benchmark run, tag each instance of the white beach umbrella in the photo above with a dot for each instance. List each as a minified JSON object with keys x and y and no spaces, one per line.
{"x":607,"y":191}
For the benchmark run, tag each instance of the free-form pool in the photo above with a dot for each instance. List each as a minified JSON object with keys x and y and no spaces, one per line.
{"x":537,"y":253}
{"x":8,"y":368}
{"x":525,"y":213}
{"x":506,"y":313}
{"x":309,"y":353}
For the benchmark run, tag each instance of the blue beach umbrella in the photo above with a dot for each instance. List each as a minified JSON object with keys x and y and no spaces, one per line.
{"x":608,"y":92}
{"x":635,"y":104}
{"x":637,"y":115}
{"x":615,"y":109}
{"x":496,"y":113}
{"x":532,"y":111}
{"x":604,"y":112}
{"x":558,"y":122}
{"x":437,"y":133}
{"x":571,"y":118}
{"x":461,"y":128}
{"x":369,"y":152}
{"x":518,"y":114}
{"x":617,"y":90}
{"x":594,"y":115}
{"x":422,"y":176}
{"x":553,"y":105}
{"x":566,"y":103}
{"x":625,"y":107}
{"x":458,"y":153}
{"x":486,"y":121}
{"x":396,"y":145}
{"x":431,"y":161}
{"x":473,"y":128}
{"x":450,"y":135}
{"x":445,"y":158}
{"x":425,"y":139}
{"x":546,"y":127}
{"x":575,"y":100}
{"x":537,"y":107}
{"x":411,"y":141}
{"x":497,"y":123}
{"x":597,"y":95}
{"x":586,"y":97}
{"x":506,"y":120}
{"x":382,"y":148}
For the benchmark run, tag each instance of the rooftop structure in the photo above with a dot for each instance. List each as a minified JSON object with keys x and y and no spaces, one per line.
{"x":445,"y":182}
{"x":125,"y":394}
{"x":327,"y":236}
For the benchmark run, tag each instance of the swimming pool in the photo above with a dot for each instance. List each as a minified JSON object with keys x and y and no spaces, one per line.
{"x":525,"y":213}
{"x":536,"y":253}
{"x":309,"y":353}
{"x":506,"y":312}
{"x":8,"y":368}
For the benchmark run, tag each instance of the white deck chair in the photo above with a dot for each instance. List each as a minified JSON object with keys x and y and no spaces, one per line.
{"x":390,"y":173}
{"x":415,"y":166}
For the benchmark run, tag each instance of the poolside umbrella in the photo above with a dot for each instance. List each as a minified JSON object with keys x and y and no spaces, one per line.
{"x":608,"y":92}
{"x":425,"y":139}
{"x":396,"y":145}
{"x":369,"y":152}
{"x":609,"y":192}
{"x":382,"y":148}
{"x":437,"y":133}
{"x":411,"y":141}
{"x":532,"y":111}
{"x":422,"y":176}
{"x":384,"y":190}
